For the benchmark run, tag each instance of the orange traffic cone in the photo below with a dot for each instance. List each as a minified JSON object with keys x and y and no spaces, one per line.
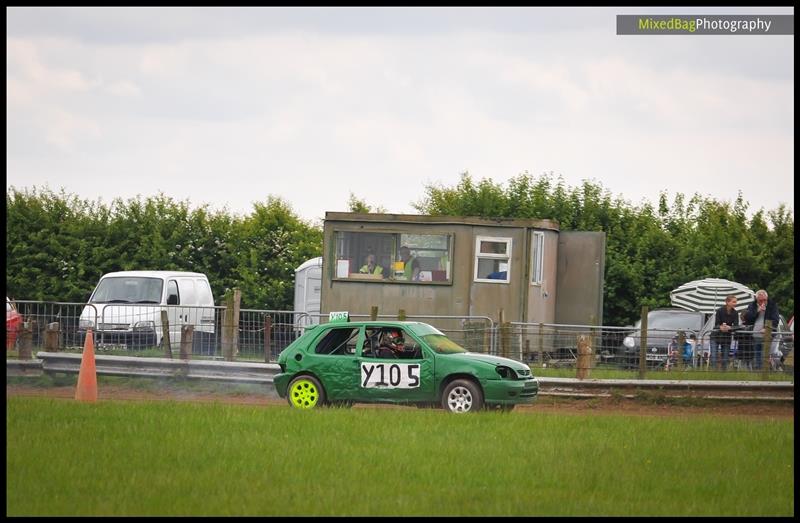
{"x":87,"y":377}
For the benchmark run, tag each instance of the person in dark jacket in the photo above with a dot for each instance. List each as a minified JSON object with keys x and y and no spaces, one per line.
{"x":757,"y":314}
{"x":725,"y":318}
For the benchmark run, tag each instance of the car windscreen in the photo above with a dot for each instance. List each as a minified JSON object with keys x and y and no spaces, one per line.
{"x":442,"y":344}
{"x":128,"y":289}
{"x":672,"y":321}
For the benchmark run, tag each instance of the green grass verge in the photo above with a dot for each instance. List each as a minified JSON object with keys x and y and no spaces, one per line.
{"x":686,"y":374}
{"x":171,"y":458}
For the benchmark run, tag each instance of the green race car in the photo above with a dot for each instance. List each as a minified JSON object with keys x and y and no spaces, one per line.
{"x":397,"y":362}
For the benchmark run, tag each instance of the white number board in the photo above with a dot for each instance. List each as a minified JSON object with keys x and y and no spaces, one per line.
{"x":338,"y":316}
{"x":390,"y":375}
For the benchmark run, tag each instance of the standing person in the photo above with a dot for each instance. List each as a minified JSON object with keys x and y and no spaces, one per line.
{"x":724,"y":318}
{"x":757,"y":314}
{"x":410,"y":264}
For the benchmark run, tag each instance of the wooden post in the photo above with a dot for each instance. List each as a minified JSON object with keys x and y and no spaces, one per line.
{"x":52,"y":338}
{"x":267,"y":338}
{"x":165,"y":341}
{"x":187,"y":337}
{"x":230,"y":328}
{"x":401,"y":315}
{"x":765,"y":349}
{"x":26,"y":341}
{"x":505,"y":334}
{"x":373,"y":313}
{"x":584,"y":358}
{"x":643,"y":344}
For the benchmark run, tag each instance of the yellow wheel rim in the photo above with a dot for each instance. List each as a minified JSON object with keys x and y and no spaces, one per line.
{"x":304,"y":394}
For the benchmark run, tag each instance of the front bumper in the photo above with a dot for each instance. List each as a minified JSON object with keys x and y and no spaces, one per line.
{"x":510,"y":392}
{"x":281,"y":383}
{"x":132,"y":340}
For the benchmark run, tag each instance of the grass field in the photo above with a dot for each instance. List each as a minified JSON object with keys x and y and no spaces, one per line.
{"x":176,"y":458}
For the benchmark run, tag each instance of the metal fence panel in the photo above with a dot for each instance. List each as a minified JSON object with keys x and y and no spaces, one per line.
{"x":136,"y":329}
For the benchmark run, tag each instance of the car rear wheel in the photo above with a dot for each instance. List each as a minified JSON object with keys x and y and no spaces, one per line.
{"x":305,"y":392}
{"x":462,"y":396}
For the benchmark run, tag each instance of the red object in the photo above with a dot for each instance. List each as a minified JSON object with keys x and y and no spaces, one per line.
{"x":13,"y":324}
{"x":87,"y":376}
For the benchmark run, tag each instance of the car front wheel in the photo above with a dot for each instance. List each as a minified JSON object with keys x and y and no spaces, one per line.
{"x":305,"y":392}
{"x":462,"y":396}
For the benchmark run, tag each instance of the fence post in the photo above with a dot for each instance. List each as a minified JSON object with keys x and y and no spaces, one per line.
{"x":52,"y":338}
{"x":584,"y":358}
{"x":505,"y":334}
{"x":373,"y":313}
{"x":187,"y":337}
{"x":165,"y":341}
{"x":643,"y":345}
{"x":230,"y":329}
{"x":765,"y":349}
{"x":267,"y":338}
{"x":26,"y":341}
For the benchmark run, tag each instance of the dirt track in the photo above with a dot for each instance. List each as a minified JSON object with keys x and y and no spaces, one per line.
{"x":760,"y":409}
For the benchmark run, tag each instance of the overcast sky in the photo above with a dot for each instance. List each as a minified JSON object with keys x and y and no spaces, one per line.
{"x":227,"y":106}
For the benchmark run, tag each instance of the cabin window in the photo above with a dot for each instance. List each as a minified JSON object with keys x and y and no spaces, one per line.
{"x":492,"y":259}
{"x":393,"y":257}
{"x":537,"y":258}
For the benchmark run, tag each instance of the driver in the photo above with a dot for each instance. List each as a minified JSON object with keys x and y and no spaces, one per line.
{"x":392,"y":344}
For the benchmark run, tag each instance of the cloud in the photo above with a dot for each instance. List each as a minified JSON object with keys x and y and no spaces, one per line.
{"x":313,"y":115}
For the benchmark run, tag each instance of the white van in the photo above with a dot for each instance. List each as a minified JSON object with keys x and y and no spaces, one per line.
{"x":125,"y":307}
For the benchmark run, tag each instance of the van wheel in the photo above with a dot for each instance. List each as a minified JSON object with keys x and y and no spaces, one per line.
{"x":462,"y":396}
{"x":305,"y":392}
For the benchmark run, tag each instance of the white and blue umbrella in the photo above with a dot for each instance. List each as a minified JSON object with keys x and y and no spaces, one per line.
{"x":709,"y":294}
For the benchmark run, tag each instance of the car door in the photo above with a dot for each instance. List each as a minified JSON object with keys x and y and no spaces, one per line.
{"x":332,"y":358}
{"x":408,"y":378}
{"x":174,"y":311}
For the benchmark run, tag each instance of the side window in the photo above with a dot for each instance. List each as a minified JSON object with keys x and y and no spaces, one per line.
{"x":390,"y":343}
{"x":492,"y":259}
{"x":537,"y":257}
{"x":338,"y":341}
{"x":173,"y":298}
{"x":204,"y":295}
{"x":188,"y":295}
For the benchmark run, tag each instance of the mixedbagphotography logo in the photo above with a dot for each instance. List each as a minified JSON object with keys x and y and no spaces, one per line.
{"x":705,"y":24}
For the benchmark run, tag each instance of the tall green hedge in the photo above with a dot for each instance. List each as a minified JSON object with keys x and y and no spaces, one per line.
{"x":58,"y":245}
{"x":649,"y":250}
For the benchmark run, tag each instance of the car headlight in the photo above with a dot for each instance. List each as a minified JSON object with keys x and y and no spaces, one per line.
{"x":628,"y":342}
{"x":506,"y":372}
{"x":85,"y":324}
{"x":144,"y":326}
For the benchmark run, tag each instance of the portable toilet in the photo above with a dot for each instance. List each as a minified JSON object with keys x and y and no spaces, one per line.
{"x":307,"y":287}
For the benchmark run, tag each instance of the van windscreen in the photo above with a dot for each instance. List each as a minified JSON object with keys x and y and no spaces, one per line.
{"x":128,"y":289}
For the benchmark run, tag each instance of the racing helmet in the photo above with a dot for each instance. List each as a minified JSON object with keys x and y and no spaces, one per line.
{"x":394,"y":338}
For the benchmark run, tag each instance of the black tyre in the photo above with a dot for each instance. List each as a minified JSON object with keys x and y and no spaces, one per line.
{"x":462,"y":395}
{"x":305,"y":392}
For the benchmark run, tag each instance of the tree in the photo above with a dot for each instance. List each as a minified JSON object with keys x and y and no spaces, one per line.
{"x":649,"y":251}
